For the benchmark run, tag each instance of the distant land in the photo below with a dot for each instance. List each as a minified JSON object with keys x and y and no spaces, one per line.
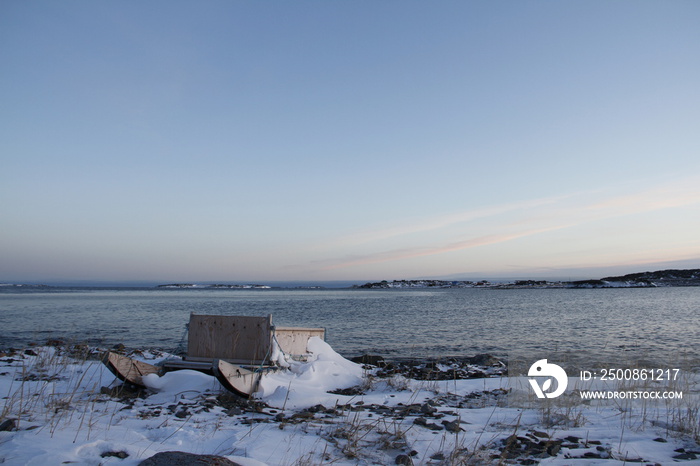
{"x":236,"y":287}
{"x":660,"y":278}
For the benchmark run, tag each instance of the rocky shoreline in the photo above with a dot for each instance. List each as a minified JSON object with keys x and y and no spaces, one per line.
{"x":421,"y":411}
{"x":660,"y":278}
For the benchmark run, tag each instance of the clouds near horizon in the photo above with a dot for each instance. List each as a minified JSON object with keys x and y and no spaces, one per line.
{"x":533,"y":217}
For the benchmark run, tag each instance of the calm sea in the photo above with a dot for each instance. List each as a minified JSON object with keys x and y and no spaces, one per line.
{"x":656,"y":326}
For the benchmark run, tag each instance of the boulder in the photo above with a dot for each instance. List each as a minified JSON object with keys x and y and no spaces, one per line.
{"x":371,"y":359}
{"x":180,"y":458}
{"x":483,"y":360}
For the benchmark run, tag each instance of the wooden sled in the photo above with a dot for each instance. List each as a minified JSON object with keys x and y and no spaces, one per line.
{"x":225,"y":346}
{"x":127,"y":369}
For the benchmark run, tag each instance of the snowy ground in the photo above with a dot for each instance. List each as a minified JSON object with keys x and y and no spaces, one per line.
{"x":61,"y":405}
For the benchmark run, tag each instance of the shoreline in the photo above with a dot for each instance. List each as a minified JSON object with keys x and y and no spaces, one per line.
{"x":61,"y":404}
{"x":476,"y":366}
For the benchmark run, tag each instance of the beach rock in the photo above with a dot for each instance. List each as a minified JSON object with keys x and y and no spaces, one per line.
{"x":452,"y":426}
{"x":316,"y":409}
{"x":372,"y":359}
{"x":236,"y":411}
{"x":7,"y":425}
{"x":180,"y":458}
{"x":125,"y":391}
{"x":421,"y":421}
{"x":352,"y":391}
{"x":553,"y":449}
{"x":404,"y":459}
{"x":686,"y":456}
{"x":484,"y":360}
{"x":116,"y":454}
{"x":428,"y":409}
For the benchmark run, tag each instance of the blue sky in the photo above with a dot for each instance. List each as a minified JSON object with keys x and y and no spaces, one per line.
{"x":252,"y":141}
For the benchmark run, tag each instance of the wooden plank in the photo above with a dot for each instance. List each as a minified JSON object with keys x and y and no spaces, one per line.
{"x":243,"y":338}
{"x":232,"y":361}
{"x":293,"y":340}
{"x":127,"y":369}
{"x":178,"y":364}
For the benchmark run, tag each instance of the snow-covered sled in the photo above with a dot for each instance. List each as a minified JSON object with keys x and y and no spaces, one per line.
{"x":238,"y":350}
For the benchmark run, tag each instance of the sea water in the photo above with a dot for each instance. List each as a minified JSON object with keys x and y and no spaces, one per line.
{"x":622,"y":327}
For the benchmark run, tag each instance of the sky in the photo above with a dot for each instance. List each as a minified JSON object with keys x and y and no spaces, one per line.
{"x":239,"y":141}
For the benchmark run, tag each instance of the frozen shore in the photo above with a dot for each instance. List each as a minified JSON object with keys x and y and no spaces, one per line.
{"x":60,"y":405}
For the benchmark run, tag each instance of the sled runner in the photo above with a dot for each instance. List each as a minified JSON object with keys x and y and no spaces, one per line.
{"x":127,"y":369}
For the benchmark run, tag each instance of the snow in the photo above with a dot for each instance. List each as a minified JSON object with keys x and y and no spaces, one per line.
{"x":307,"y":384}
{"x":64,"y":415}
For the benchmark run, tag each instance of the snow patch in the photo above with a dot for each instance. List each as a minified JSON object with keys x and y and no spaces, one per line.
{"x":307,"y":384}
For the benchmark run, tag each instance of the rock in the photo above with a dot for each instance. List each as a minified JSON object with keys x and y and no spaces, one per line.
{"x":404,"y":459}
{"x":55,"y":342}
{"x":117,"y":454}
{"x":303,"y":415}
{"x":553,"y":450}
{"x":124,"y":391}
{"x":452,"y":426}
{"x":180,"y":458}
{"x":371,"y":359}
{"x":685,"y":456}
{"x":484,"y":360}
{"x":236,"y":411}
{"x":427,"y":409}
{"x":420,"y":421}
{"x":7,"y":425}
{"x":316,"y":409}
{"x":352,"y":391}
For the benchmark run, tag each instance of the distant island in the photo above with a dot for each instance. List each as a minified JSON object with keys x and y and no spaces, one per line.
{"x":660,"y":278}
{"x":234,"y":287}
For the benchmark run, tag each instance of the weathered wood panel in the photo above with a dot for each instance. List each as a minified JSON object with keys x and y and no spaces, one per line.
{"x":293,"y":340}
{"x":230,"y":337}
